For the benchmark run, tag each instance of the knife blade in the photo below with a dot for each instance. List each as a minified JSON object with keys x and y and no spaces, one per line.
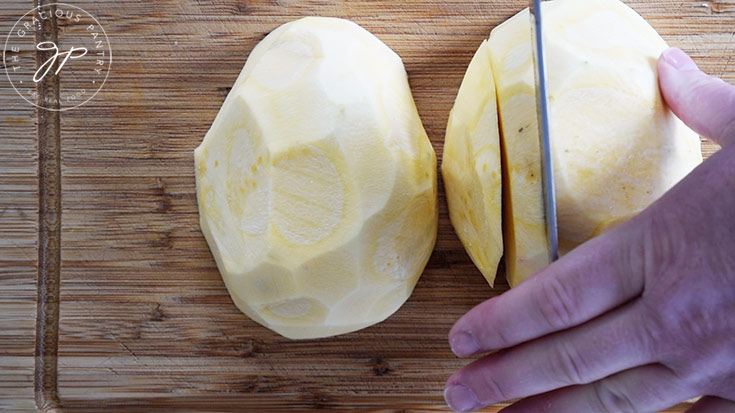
{"x":542,"y":108}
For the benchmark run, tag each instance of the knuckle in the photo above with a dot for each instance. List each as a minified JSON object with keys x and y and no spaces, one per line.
{"x":500,"y":336}
{"x":504,"y":338}
{"x":688,"y":339}
{"x":649,"y":332}
{"x":727,"y":134}
{"x":611,"y":399}
{"x":569,"y":366}
{"x":660,"y":249}
{"x":493,"y":390}
{"x":681,"y":322}
{"x":556,"y":304}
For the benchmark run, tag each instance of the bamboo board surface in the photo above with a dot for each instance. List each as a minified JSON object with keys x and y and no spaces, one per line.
{"x":144,"y":320}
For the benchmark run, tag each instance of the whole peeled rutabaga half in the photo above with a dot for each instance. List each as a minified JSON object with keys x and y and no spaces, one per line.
{"x":316,"y":183}
{"x":616,"y":146}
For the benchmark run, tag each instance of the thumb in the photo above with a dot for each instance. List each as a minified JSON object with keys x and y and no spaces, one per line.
{"x":705,"y":103}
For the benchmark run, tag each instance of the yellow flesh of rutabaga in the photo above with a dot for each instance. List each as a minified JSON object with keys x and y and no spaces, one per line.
{"x":316,"y":182}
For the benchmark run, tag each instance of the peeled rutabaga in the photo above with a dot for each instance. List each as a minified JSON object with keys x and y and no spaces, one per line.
{"x":471,"y":166}
{"x":316,"y":182}
{"x":616,"y":146}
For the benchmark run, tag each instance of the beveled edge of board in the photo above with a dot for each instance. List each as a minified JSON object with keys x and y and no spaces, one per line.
{"x":49,"y":226}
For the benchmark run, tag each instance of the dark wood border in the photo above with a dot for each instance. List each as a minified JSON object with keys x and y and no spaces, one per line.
{"x":49,"y":227}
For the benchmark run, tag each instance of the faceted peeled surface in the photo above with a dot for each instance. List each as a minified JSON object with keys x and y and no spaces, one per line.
{"x":471,"y":166}
{"x":616,"y":147}
{"x":316,"y":182}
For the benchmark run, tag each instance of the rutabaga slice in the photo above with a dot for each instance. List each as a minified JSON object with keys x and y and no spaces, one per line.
{"x":471,"y":166}
{"x":316,"y":182}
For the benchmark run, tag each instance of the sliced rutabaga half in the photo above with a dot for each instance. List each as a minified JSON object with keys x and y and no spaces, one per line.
{"x":616,"y":147}
{"x":317,"y":182}
{"x":471,"y":166}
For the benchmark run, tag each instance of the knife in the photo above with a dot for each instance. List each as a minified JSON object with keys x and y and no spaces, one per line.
{"x":542,"y":108}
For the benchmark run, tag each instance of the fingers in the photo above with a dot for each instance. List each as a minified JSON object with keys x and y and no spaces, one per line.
{"x":615,"y":342}
{"x":594,"y":278}
{"x":712,"y":405}
{"x":644,"y":389}
{"x":705,"y":103}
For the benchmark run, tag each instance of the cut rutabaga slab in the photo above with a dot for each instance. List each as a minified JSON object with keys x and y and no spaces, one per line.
{"x":616,"y":147}
{"x":317,"y":183}
{"x":471,"y":166}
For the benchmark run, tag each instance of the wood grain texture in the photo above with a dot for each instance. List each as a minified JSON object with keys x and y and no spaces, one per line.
{"x":145,"y":321}
{"x":18,"y":234}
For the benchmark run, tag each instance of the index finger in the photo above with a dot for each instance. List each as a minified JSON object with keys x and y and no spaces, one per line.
{"x":594,"y":278}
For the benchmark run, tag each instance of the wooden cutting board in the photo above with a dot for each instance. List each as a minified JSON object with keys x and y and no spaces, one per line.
{"x":104,"y":274}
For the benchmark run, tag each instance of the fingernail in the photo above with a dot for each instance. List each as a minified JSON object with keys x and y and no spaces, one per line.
{"x":678,"y":59}
{"x":459,"y":398}
{"x":463,"y":344}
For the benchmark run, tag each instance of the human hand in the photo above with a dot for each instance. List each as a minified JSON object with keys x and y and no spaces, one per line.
{"x":635,"y":320}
